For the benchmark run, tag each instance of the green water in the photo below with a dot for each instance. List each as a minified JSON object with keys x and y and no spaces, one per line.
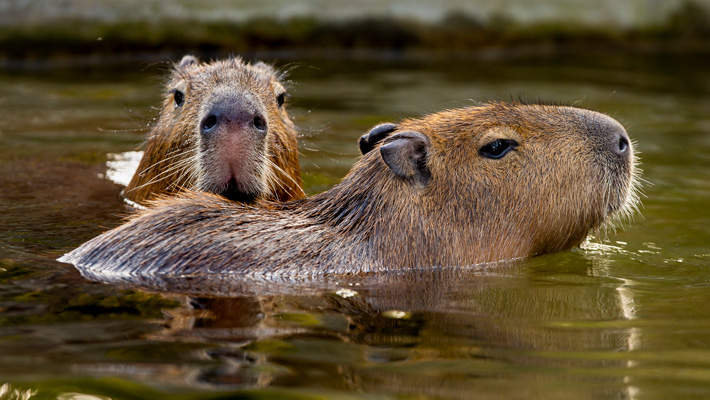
{"x":626,"y":317}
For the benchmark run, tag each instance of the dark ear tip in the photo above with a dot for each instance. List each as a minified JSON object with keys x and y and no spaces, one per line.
{"x":365,"y":146}
{"x":187,"y":61}
{"x":369,"y":140}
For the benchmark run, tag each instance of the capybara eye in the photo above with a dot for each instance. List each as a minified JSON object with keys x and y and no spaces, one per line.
{"x":179,"y":97}
{"x":498,"y":148}
{"x":280,"y":99}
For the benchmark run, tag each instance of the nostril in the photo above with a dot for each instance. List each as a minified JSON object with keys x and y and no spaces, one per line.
{"x":259,"y":123}
{"x":209,"y":123}
{"x":623,"y":145}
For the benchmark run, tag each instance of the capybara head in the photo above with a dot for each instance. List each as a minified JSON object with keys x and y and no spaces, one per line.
{"x":459,"y":187}
{"x":223,"y":128}
{"x":510,"y":179}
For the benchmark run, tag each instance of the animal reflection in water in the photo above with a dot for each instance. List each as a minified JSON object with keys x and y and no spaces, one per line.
{"x":382,"y":332}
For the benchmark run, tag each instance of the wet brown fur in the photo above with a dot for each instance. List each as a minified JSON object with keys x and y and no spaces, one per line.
{"x":544,"y":196}
{"x":170,"y":163}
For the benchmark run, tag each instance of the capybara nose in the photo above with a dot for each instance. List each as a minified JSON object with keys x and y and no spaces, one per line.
{"x":606,"y":133}
{"x":620,"y":142}
{"x":210,"y":122}
{"x":233,"y":113}
{"x":614,"y":138}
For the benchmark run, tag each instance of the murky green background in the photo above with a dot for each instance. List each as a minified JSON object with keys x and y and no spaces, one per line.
{"x":627,"y":317}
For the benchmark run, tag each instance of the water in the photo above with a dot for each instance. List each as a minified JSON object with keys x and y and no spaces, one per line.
{"x":624,"y":317}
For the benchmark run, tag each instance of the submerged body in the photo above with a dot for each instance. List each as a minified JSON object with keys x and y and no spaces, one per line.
{"x":223,"y":128}
{"x":458,"y":187}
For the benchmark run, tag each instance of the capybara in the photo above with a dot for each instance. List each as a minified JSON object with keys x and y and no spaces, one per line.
{"x":223,"y":128}
{"x":472,"y":185}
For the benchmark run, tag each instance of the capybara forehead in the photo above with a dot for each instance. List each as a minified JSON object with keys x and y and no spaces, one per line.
{"x":233,"y":71}
{"x":526,"y":120}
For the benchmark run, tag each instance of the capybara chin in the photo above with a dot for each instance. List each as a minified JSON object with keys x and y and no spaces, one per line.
{"x":458,"y":187}
{"x":223,"y":128}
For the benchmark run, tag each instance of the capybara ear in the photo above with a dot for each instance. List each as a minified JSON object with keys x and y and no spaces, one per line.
{"x":187,"y":61}
{"x":405,"y":153}
{"x":376,"y":134}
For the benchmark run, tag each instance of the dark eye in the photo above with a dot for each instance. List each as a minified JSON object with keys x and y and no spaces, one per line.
{"x":498,"y":148}
{"x":280,"y":99}
{"x":179,"y":97}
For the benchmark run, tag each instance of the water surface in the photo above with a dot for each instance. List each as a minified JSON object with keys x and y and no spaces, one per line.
{"x":624,"y":317}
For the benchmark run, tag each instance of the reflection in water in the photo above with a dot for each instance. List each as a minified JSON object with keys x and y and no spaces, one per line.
{"x":120,"y":167}
{"x":81,"y":396}
{"x":7,"y":392}
{"x":603,"y":267}
{"x":462,"y":325}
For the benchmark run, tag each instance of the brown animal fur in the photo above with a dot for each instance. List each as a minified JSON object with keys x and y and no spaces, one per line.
{"x":399,"y":209}
{"x":176,"y":156}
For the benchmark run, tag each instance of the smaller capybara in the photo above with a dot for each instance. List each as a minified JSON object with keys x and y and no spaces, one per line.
{"x":223,"y":128}
{"x":459,"y":187}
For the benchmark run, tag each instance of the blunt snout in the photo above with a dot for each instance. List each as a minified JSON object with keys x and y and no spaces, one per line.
{"x":232,"y":112}
{"x":619,"y":142}
{"x":609,"y":135}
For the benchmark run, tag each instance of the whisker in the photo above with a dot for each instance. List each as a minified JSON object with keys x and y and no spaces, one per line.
{"x":179,"y":154}
{"x":167,"y":173}
{"x":283,"y":173}
{"x":170,"y":156}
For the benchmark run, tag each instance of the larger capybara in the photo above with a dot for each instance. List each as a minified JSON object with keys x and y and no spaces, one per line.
{"x":223,"y":128}
{"x":459,"y":187}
